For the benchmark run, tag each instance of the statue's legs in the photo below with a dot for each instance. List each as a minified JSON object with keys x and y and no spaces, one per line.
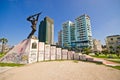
{"x":32,"y":33}
{"x":34,"y":28}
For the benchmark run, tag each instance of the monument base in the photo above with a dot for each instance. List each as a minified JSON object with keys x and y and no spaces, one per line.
{"x":30,"y":51}
{"x":23,"y":53}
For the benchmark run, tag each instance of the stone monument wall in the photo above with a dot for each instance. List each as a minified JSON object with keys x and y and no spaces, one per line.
{"x":31,"y":50}
{"x":47,"y":52}
{"x":58,"y":54}
{"x":52,"y":52}
{"x":41,"y":51}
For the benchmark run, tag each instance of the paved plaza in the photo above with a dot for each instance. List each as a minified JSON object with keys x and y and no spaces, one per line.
{"x":3,"y":69}
{"x":61,"y":70}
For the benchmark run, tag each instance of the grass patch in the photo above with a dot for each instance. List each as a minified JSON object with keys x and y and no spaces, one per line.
{"x":75,"y":61}
{"x":114,"y":60}
{"x":10,"y":64}
{"x":116,"y":67}
{"x":1,"y":55}
{"x":58,"y":60}
{"x":106,"y":57}
{"x":98,"y":62}
{"x":100,"y":56}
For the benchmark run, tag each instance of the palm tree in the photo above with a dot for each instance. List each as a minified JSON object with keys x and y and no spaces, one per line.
{"x":3,"y":41}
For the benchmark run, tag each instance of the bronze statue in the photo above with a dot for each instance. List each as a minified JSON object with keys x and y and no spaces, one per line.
{"x":33,"y":19}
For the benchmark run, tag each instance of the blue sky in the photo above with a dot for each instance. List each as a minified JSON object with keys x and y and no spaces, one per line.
{"x":104,"y":15}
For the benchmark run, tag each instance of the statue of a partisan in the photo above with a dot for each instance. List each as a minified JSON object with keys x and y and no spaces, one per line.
{"x":33,"y":19}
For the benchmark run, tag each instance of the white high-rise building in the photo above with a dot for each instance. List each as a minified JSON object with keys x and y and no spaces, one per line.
{"x":83,"y":31}
{"x":68,"y":33}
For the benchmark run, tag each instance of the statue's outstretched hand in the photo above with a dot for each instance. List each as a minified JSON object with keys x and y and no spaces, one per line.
{"x":39,"y":13}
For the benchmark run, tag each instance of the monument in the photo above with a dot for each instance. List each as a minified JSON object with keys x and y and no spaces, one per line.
{"x":33,"y":53}
{"x":27,"y":50}
{"x":30,"y":50}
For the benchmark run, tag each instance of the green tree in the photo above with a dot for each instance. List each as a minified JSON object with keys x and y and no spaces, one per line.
{"x":105,"y":52}
{"x":77,"y":49}
{"x":87,"y":50}
{"x":111,"y":49}
{"x":111,"y":52}
{"x":69,"y":48}
{"x":118,"y":51}
{"x":65,"y":45}
{"x":3,"y":41}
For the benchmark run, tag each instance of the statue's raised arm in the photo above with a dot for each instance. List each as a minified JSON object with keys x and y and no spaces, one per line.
{"x":33,"y":19}
{"x":30,"y":18}
{"x":38,"y":16}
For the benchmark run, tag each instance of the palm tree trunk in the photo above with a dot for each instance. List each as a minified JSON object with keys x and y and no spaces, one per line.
{"x":2,"y":48}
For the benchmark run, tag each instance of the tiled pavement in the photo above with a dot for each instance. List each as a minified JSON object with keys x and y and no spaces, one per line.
{"x":3,"y":69}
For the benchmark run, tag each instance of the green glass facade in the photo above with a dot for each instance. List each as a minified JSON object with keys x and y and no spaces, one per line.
{"x":68,"y":33}
{"x":83,"y":31}
{"x":46,"y":31}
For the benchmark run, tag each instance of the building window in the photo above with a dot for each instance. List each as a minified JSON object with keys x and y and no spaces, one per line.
{"x":111,"y":39}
